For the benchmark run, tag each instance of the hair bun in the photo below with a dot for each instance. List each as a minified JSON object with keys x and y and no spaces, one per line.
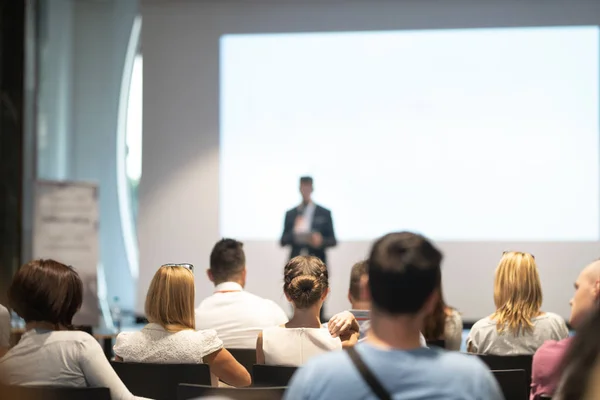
{"x":305,"y":284}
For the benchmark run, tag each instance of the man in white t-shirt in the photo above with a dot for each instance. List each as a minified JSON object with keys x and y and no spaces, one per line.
{"x":237,"y":316}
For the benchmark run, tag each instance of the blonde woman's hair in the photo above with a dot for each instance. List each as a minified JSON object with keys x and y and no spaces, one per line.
{"x":170,"y":299}
{"x":517,"y":292}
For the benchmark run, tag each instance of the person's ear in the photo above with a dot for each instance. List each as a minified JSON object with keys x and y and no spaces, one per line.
{"x":365,"y":292}
{"x":244,"y":276}
{"x":325,"y":294}
{"x":350,"y":297}
{"x":287,"y":297}
{"x":210,"y":275}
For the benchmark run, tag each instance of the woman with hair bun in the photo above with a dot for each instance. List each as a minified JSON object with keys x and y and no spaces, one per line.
{"x":306,"y":285}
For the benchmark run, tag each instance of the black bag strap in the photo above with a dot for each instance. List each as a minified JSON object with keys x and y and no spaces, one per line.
{"x":367,"y":375}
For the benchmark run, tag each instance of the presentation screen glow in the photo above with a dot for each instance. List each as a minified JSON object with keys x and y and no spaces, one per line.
{"x":463,"y":135}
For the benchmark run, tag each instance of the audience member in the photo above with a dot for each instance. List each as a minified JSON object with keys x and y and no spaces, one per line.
{"x":360,"y":301}
{"x":357,"y":297}
{"x":306,"y":285}
{"x":518,"y":326}
{"x":4,"y":330}
{"x":444,"y":324}
{"x":581,"y":364}
{"x":170,"y":337}
{"x":546,"y":370}
{"x":46,"y":294}
{"x":404,"y":277}
{"x":237,"y":315}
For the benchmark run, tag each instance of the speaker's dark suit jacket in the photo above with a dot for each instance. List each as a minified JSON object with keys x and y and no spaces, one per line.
{"x":321,"y":222}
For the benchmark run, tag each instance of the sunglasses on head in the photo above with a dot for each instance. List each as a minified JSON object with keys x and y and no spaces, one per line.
{"x":518,"y":252}
{"x":183,"y":265}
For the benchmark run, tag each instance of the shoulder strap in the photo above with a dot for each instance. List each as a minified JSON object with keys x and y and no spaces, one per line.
{"x":367,"y":375}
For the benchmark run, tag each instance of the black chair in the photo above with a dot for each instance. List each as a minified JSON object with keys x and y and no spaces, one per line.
{"x":159,"y":381}
{"x":187,"y":391}
{"x":246,"y":357}
{"x":272,"y":375}
{"x":53,"y":393}
{"x":84,"y":328}
{"x":500,"y":363}
{"x":513,"y":383}
{"x":441,"y":343}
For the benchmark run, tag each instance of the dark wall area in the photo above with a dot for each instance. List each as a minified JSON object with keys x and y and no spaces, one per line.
{"x":12,"y":28}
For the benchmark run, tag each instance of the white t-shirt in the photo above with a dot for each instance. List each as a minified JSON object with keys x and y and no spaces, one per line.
{"x":238,"y":316}
{"x":485,"y":339}
{"x":154,"y":344}
{"x":4,"y":327}
{"x":295,"y":346}
{"x":61,"y":358}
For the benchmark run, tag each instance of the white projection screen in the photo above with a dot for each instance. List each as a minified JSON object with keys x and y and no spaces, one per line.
{"x":471,"y":135}
{"x":484,"y":136}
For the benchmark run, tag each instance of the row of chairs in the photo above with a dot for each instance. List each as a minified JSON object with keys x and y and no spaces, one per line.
{"x":512,"y":383}
{"x":512,"y":372}
{"x":162,"y":381}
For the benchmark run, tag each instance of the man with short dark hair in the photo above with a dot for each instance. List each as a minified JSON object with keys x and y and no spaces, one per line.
{"x":404,"y":276}
{"x":361,"y":304}
{"x":237,"y":316}
{"x":308,"y":227}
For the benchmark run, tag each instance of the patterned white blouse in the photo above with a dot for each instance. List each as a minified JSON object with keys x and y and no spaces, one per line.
{"x":154,"y":344}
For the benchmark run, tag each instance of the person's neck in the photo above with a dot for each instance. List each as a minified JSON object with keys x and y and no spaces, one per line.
{"x":306,"y":202}
{"x":239,"y":281}
{"x":305,"y":318}
{"x":361,"y":305}
{"x":47,"y":326}
{"x":395,"y":332}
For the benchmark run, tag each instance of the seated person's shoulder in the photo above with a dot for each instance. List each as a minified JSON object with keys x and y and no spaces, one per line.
{"x":74,"y":339}
{"x":458,"y":362}
{"x":551,"y":349}
{"x":555,"y":318}
{"x":205,"y":341}
{"x":483,"y":323}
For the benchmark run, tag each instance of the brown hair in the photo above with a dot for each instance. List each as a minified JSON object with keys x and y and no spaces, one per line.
{"x":359,"y":270}
{"x":305,"y":280}
{"x":227,"y":259}
{"x":170,"y":299}
{"x":46,"y":291}
{"x":517,"y":292}
{"x":435,"y":323}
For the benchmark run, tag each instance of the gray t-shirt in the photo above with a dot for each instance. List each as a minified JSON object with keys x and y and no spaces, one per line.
{"x":419,"y":374}
{"x":4,"y":327}
{"x":453,"y":331}
{"x":61,"y":358}
{"x":485,"y":339}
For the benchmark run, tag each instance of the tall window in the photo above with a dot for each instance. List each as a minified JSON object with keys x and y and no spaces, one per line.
{"x":133,"y":138}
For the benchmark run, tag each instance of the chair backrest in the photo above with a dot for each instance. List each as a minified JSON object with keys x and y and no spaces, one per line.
{"x":272,"y":375}
{"x":246,"y":357}
{"x":53,"y":393}
{"x":441,"y":343}
{"x":186,"y":391}
{"x":84,"y":328}
{"x":513,"y":383}
{"x":159,"y":381}
{"x":499,"y":363}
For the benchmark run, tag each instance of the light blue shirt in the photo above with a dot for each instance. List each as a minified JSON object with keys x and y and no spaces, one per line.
{"x":432,"y":374}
